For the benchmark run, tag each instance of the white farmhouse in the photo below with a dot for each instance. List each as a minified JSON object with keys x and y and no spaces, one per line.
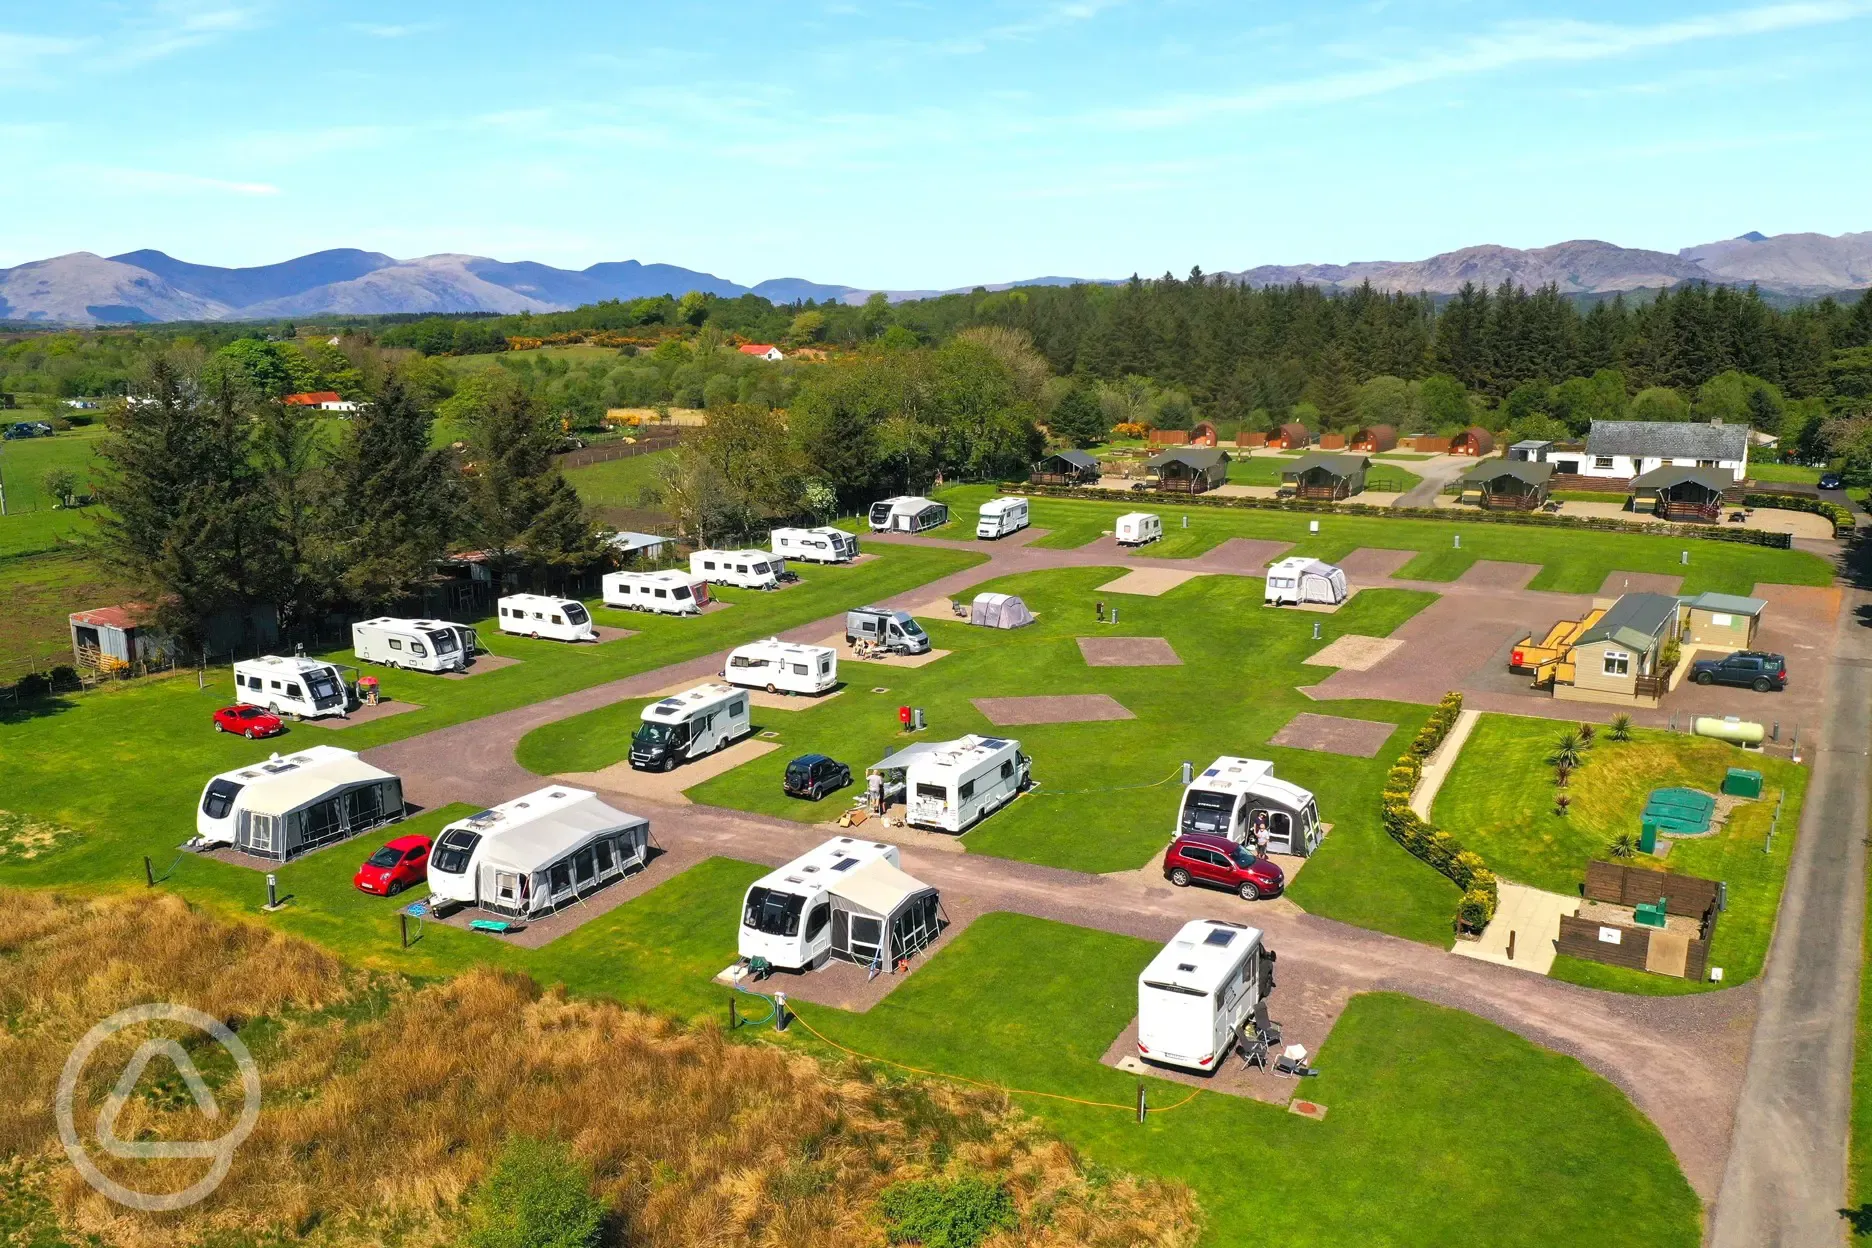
{"x":1619,"y":450}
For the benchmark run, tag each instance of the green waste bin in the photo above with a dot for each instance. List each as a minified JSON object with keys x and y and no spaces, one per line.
{"x":1647,"y":835}
{"x":1742,"y":782}
{"x":1650,"y":915}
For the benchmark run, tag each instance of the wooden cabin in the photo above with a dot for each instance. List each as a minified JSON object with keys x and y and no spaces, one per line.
{"x":1292,"y":436}
{"x":1508,"y":485}
{"x":1065,"y":468}
{"x":1190,"y":469}
{"x":1678,"y":493}
{"x":1204,"y":434}
{"x":1375,"y":438}
{"x":1323,"y":477}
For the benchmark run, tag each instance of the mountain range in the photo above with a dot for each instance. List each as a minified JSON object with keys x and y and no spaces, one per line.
{"x":149,"y":286}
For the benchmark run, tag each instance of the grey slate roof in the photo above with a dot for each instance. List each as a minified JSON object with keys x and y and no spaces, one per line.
{"x":1635,"y":620}
{"x":1198,"y":457}
{"x":1078,"y":459}
{"x":1728,"y":604}
{"x":1662,"y":478}
{"x":1532,"y":472}
{"x":1666,"y":439}
{"x":1348,"y":465}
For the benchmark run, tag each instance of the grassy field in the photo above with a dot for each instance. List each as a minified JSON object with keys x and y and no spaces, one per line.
{"x":1498,"y":800}
{"x":1590,"y":496}
{"x":1797,"y":474}
{"x":24,"y":463}
{"x":619,"y":482}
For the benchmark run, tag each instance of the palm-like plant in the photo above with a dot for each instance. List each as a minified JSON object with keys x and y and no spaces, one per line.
{"x":1624,"y":846}
{"x":1567,"y":751}
{"x":1561,"y":774}
{"x":1621,"y":727}
{"x":1561,"y":804}
{"x":1586,"y":735}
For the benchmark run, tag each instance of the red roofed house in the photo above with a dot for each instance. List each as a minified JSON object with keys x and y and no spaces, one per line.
{"x":762,"y":350}
{"x":324,"y":400}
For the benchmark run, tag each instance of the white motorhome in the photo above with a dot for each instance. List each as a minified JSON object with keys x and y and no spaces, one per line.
{"x":1233,"y":797}
{"x":1001,"y":516}
{"x":908,"y":514}
{"x":688,"y":725}
{"x":847,"y":899}
{"x":527,"y":856}
{"x":666,"y":593}
{"x":542,"y":615}
{"x":959,"y":783}
{"x":1139,"y":528}
{"x":744,"y":569}
{"x":782,"y":667}
{"x":1198,"y":992}
{"x":420,"y":645}
{"x":823,"y":545}
{"x":293,"y":685}
{"x":896,"y":631}
{"x":287,"y":805}
{"x":1298,"y":579}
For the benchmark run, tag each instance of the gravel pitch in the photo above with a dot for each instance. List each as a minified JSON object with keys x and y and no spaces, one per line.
{"x":1360,"y":738}
{"x":1128,"y":652}
{"x":1065,"y":708}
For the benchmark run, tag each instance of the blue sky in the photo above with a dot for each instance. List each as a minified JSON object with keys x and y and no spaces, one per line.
{"x":925,"y":144}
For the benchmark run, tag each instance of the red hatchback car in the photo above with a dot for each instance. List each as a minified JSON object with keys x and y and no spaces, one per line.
{"x":401,"y":863}
{"x":1202,"y":857}
{"x":249,"y":721}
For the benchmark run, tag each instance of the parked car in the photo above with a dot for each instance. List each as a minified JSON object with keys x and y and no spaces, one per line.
{"x":1209,"y":858}
{"x":27,"y":429}
{"x":1755,"y":669}
{"x":812,"y":776}
{"x":401,"y":863}
{"x":1831,"y":481}
{"x":248,"y":721}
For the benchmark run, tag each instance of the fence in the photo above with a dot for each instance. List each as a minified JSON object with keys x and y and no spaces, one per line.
{"x":1644,"y":948}
{"x":648,"y":445}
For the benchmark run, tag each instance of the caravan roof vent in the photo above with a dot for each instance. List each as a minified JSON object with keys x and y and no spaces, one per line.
{"x":556,"y":793}
{"x":809,"y":870}
{"x":1220,"y":939}
{"x":1186,"y":966}
{"x":275,"y":769}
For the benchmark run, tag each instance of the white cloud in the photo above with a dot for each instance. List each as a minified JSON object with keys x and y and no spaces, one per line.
{"x":393,"y":31}
{"x":22,"y":54}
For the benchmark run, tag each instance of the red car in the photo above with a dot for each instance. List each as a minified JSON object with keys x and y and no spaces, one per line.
{"x":401,"y":863}
{"x":1210,"y":859}
{"x":249,"y":721}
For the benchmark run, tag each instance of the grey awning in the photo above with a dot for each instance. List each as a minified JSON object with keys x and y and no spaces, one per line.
{"x":904,"y":757}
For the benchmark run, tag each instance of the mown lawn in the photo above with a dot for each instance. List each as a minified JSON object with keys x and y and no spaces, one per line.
{"x":1498,"y":800}
{"x":1798,"y":474}
{"x":25,"y":461}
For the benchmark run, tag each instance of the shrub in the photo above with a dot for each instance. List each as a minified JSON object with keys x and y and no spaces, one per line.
{"x":957,"y":1213}
{"x":1438,"y":849}
{"x":31,"y":687}
{"x":1566,"y":751}
{"x":1624,"y":846}
{"x":1561,"y":804}
{"x":1621,"y":727}
{"x":536,"y":1196}
{"x":1587,"y":734}
{"x":1561,"y":774}
{"x":1476,"y":909}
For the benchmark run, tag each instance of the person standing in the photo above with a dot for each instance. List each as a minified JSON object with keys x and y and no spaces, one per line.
{"x":1261,"y":834}
{"x":875,"y":783}
{"x":1101,"y":611}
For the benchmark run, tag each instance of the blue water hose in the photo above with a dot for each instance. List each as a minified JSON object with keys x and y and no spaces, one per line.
{"x":772,"y":1009}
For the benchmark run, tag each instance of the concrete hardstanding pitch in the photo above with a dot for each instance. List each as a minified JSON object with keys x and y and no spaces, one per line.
{"x":1329,"y":734}
{"x":1066,"y":708}
{"x":1128,"y":652}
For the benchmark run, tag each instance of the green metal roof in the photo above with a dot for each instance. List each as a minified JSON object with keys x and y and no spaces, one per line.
{"x":1346,"y":465}
{"x":1528,"y":472}
{"x":1727,"y":604}
{"x":1635,"y":621}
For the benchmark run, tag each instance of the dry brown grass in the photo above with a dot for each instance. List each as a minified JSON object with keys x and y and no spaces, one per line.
{"x":386,"y":1102}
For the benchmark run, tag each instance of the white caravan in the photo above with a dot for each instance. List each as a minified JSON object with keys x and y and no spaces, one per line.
{"x":958,"y":783}
{"x":825,"y":545}
{"x":666,"y":593}
{"x":420,"y":645}
{"x":744,"y":569}
{"x":1233,"y":797}
{"x":524,"y":857}
{"x":908,"y":514}
{"x":782,"y":667}
{"x":541,"y":615}
{"x":688,"y":725}
{"x":1001,"y":516}
{"x":1298,"y":579}
{"x":1139,"y":528}
{"x":287,"y":805}
{"x":292,"y":685}
{"x":846,"y":899}
{"x":1197,"y":993}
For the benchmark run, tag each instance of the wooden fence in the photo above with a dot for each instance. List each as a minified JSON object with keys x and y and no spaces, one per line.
{"x":649,"y":444}
{"x":1630,"y":886}
{"x":1627,"y":944}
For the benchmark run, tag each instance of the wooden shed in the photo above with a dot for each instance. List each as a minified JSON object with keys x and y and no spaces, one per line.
{"x":1375,"y":438}
{"x":1507,"y":485}
{"x":1065,"y":468}
{"x":1325,"y":477}
{"x":1682,"y":493}
{"x":1475,"y":440}
{"x":1250,"y":441}
{"x":1190,"y":469}
{"x":1291,"y":436}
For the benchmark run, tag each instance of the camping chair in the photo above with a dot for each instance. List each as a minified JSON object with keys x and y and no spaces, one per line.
{"x":1253,"y":1050}
{"x":1292,"y":1064}
{"x":1265,"y":1031}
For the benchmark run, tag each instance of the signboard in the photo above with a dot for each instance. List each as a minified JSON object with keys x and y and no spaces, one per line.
{"x":1610,"y":935}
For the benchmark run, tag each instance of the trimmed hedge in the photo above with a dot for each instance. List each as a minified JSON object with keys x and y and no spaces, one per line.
{"x":1842,"y":517}
{"x":1463,"y":868}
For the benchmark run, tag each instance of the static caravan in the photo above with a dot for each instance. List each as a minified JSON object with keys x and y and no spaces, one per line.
{"x":744,"y":569}
{"x":1233,"y":797}
{"x":824,"y":545}
{"x":1139,"y":528}
{"x":540,"y":615}
{"x":420,"y":645}
{"x":1001,"y":516}
{"x":909,"y":514}
{"x":896,"y":631}
{"x":287,"y":805}
{"x":688,"y":725}
{"x":528,"y":856}
{"x":666,"y":593}
{"x":1297,"y":580}
{"x":847,"y":899}
{"x":1199,"y":991}
{"x":782,"y":667}
{"x":961,"y":782}
{"x":293,"y":685}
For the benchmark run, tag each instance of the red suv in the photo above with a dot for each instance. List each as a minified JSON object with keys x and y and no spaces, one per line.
{"x":1210,"y":859}
{"x":401,"y":863}
{"x":249,"y":721}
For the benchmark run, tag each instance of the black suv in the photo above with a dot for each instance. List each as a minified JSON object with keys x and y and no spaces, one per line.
{"x":812,"y":776}
{"x":1756,"y":669}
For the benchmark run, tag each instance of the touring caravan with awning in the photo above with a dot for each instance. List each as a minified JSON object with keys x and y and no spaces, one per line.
{"x":1300,"y":580}
{"x":288,"y":805}
{"x":910,"y":514}
{"x":293,"y":685}
{"x":961,"y":782}
{"x":688,"y":725}
{"x":847,"y":899}
{"x":782,"y":667}
{"x":665,"y":593}
{"x":419,"y":645}
{"x":540,"y":615}
{"x":1234,"y":797}
{"x":1139,"y":528}
{"x":529,"y":856}
{"x":822,"y":545}
{"x":1199,"y":991}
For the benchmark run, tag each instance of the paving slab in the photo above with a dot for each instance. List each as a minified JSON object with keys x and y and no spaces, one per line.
{"x":1147,"y":582}
{"x":845,"y":654}
{"x":1069,"y":708}
{"x":1370,"y":564}
{"x":1128,"y":652}
{"x":668,"y":786}
{"x":1244,"y":555}
{"x":1329,"y":734}
{"x":1533,"y":917}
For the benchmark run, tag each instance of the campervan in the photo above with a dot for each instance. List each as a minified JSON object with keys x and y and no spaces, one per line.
{"x":1198,"y":992}
{"x":957,"y":784}
{"x":846,"y":899}
{"x":908,"y":514}
{"x":293,"y":685}
{"x":1234,"y":797}
{"x":287,"y":805}
{"x":1001,"y":516}
{"x":666,"y":593}
{"x":782,"y":667}
{"x":744,"y":569}
{"x":420,"y":645}
{"x":1139,"y":528}
{"x":540,"y":615}
{"x":527,"y":856}
{"x":688,"y":725}
{"x":1299,"y":579}
{"x":825,"y":545}
{"x":894,"y":630}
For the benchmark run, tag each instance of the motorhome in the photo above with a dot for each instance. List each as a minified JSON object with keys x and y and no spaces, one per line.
{"x":1235,"y":797}
{"x":541,"y":615}
{"x":1297,"y":580}
{"x":529,"y":855}
{"x":666,"y":593}
{"x":1199,"y":991}
{"x":782,"y":667}
{"x":420,"y":645}
{"x":896,"y":631}
{"x":1139,"y":528}
{"x":688,"y":725}
{"x":825,"y":545}
{"x":293,"y":685}
{"x":744,"y":569}
{"x":847,"y":899}
{"x":287,"y":805}
{"x":908,"y":514}
{"x":1001,"y":516}
{"x":959,"y":783}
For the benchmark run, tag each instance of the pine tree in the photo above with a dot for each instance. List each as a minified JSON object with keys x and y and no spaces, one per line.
{"x":522,"y":509}
{"x":398,"y":502}
{"x":291,"y":455}
{"x":1858,"y":328}
{"x":1332,"y":392}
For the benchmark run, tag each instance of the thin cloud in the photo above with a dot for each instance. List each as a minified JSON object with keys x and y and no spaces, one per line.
{"x":390,"y":31}
{"x":167,"y":182}
{"x":22,"y":54}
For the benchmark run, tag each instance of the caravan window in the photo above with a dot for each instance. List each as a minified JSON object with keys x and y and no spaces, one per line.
{"x":395,"y":644}
{"x":821,"y":915}
{"x":444,"y":643}
{"x":560,"y":877}
{"x":933,"y":790}
{"x":734,"y":708}
{"x":772,"y":912}
{"x":292,"y":690}
{"x":1205,"y":810}
{"x":576,"y":613}
{"x":662,"y":593}
{"x":967,"y":790}
{"x":582,"y":865}
{"x":681,"y":593}
{"x":454,"y":851}
{"x":219,"y":798}
{"x":416,"y":648}
{"x":323,"y":685}
{"x":800,"y":669}
{"x":1007,"y":768}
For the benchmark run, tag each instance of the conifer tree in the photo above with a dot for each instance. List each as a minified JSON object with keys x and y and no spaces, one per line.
{"x":397,"y":500}
{"x":521,"y":508}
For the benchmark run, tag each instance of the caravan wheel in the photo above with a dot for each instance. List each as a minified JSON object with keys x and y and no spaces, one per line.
{"x":771,"y":688}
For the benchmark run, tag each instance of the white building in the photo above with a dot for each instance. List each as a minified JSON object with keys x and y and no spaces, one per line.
{"x":1618,"y":450}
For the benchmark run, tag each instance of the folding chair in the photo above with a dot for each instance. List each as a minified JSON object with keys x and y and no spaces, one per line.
{"x":1254,"y":1051}
{"x":1267,"y":1032}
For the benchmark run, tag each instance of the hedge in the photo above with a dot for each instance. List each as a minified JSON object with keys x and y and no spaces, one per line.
{"x":1443,"y":852}
{"x":1842,"y":517}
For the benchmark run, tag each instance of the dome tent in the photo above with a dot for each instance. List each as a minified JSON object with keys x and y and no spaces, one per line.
{"x":999,"y":611}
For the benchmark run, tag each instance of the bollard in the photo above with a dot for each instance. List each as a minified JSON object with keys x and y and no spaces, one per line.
{"x":780,"y":1011}
{"x":403,"y":923}
{"x":272,"y":891}
{"x":149,"y":872}
{"x":1774,"y":733}
{"x":1316,"y":633}
{"x":1312,"y":526}
{"x":1187,"y":769}
{"x":734,"y":1015}
{"x":1511,"y":936}
{"x":1186,"y":522}
{"x":1685,"y":558}
{"x":1114,"y":615}
{"x":1457,"y":541}
{"x":1143,"y":1107}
